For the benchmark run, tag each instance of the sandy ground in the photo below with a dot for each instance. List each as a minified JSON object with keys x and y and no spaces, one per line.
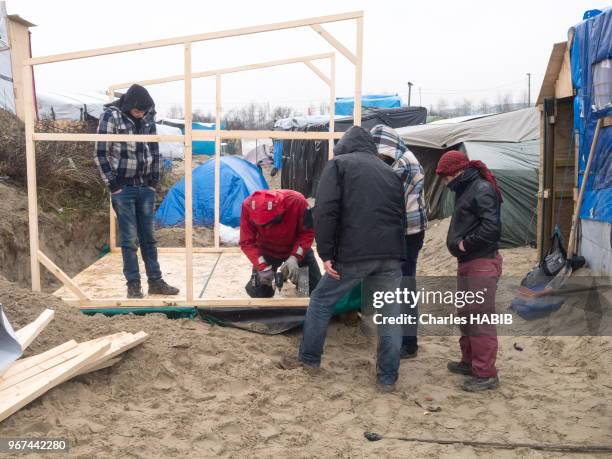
{"x":197,"y":390}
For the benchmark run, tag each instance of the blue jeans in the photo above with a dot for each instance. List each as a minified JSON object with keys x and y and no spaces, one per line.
{"x":329,"y":291}
{"x":414,"y":243}
{"x":135,"y":209}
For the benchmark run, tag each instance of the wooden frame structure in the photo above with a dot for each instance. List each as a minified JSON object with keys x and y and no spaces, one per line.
{"x":83,"y":300}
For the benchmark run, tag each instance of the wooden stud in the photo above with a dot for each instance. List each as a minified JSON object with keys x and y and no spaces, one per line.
{"x":188,"y":177}
{"x":318,"y":72}
{"x":358,"y":73}
{"x":194,"y":38}
{"x":23,"y":393}
{"x":217,"y":196}
{"x":332,"y":105}
{"x":197,"y":135}
{"x":24,"y":364}
{"x":200,"y":249}
{"x":336,"y":43}
{"x":28,"y":99}
{"x":212,"y":302}
{"x":61,"y":276}
{"x":112,"y":218}
{"x":27,"y":334}
{"x":66,"y":137}
{"x":101,"y":365}
{"x":285,"y":135}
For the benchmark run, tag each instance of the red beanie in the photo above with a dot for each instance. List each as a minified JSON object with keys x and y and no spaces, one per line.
{"x":454,"y":161}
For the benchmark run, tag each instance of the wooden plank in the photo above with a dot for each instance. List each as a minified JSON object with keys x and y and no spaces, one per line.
{"x":67,"y":137}
{"x":217,"y":193}
{"x":284,"y":135}
{"x":358,"y":74}
{"x":188,"y":177}
{"x":102,"y":365}
{"x":335,"y":42}
{"x":27,"y":334}
{"x":230,"y":249}
{"x":28,"y":100}
{"x":23,"y":393}
{"x":19,"y":42}
{"x":24,"y":364}
{"x":223,"y":71}
{"x":194,"y":38}
{"x":332,"y":104}
{"x":318,"y":72}
{"x":112,"y":218}
{"x":61,"y":275}
{"x":277,"y":302}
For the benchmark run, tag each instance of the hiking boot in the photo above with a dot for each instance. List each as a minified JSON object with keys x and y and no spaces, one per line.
{"x":477,"y":384}
{"x":134,"y":290}
{"x":292,"y":363}
{"x":460,"y":368}
{"x":408,"y":352}
{"x":160,"y":287}
{"x":385,"y":388}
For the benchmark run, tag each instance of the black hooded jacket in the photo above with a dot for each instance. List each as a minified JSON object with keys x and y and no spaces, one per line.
{"x":359,"y":212}
{"x":476,"y":218}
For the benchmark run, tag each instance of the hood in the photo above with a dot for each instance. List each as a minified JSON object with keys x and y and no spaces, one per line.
{"x":135,"y":97}
{"x":356,"y":139}
{"x":388,"y":142}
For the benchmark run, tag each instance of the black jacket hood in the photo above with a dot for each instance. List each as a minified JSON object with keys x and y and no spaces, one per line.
{"x":356,"y":139}
{"x":135,"y":97}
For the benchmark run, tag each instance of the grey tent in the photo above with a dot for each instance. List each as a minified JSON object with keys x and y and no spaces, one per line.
{"x":507,"y":143}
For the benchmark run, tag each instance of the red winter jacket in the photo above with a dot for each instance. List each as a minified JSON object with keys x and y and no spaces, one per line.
{"x":278,"y":240}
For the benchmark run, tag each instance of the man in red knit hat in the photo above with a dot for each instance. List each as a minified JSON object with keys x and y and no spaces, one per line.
{"x":276,"y":227}
{"x":473,"y":238}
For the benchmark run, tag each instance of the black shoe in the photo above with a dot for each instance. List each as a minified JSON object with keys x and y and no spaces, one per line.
{"x":134,"y":290}
{"x":409,"y":352}
{"x":385,"y":388}
{"x":476,"y":384}
{"x":461,"y":368}
{"x":293,"y":363}
{"x":160,"y":287}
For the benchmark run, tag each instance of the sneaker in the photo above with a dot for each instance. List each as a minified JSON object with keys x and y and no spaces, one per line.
{"x":409,"y":352}
{"x":385,"y":388}
{"x":292,"y":363}
{"x":134,"y":290}
{"x":460,"y":368}
{"x":476,"y":384}
{"x":160,"y":287}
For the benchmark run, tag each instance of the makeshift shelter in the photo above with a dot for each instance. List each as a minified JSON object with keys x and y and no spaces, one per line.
{"x":70,"y":105}
{"x":345,"y":105}
{"x":508,"y":143}
{"x":200,"y":147}
{"x":304,"y":160}
{"x":238,"y":179}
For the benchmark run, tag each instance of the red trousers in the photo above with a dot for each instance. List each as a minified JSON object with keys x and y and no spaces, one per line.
{"x":479,"y":341}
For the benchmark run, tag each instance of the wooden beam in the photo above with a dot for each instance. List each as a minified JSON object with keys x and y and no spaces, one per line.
{"x":24,"y":364}
{"x":18,"y":396}
{"x":67,"y":137}
{"x":28,"y":100}
{"x":335,"y":42}
{"x":318,"y":72}
{"x":285,"y":135}
{"x":213,"y":302}
{"x":332,"y":105}
{"x":217,"y":196}
{"x":188,"y":177}
{"x":223,"y":71}
{"x":61,"y":276}
{"x":194,"y":38}
{"x":101,"y":365}
{"x":27,"y":334}
{"x":200,"y":249}
{"x":358,"y":74}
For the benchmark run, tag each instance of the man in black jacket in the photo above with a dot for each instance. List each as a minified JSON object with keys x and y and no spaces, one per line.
{"x":473,"y":238}
{"x":359,"y":221}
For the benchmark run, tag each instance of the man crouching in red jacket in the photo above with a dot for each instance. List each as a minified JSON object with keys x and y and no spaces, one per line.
{"x":276,"y":227}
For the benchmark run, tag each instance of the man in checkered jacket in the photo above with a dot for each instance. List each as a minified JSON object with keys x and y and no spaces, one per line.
{"x":131,"y":172}
{"x":393,"y":151}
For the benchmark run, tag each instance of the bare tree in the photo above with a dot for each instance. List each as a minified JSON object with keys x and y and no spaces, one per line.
{"x":176,"y":112}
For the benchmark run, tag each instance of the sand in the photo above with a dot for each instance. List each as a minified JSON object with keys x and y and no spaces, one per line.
{"x":197,"y":390}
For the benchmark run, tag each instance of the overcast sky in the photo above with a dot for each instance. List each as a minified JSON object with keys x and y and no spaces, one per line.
{"x":448,"y":49}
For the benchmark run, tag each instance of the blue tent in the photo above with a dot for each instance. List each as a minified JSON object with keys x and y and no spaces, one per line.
{"x":238,"y":179}
{"x":345,"y":105}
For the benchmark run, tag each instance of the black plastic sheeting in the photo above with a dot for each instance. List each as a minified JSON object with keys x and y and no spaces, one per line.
{"x":304,"y":160}
{"x":266,"y":321}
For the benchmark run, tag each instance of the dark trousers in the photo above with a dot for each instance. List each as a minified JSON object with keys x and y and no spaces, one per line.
{"x":135,"y":209}
{"x":478,"y":342}
{"x":314,"y":274}
{"x":414,"y":243}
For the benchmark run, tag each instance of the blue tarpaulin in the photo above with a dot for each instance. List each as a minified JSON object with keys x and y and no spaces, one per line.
{"x":238,"y":179}
{"x":592,"y":49}
{"x":345,"y":105}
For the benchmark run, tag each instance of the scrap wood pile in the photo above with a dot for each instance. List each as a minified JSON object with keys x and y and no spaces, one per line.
{"x":28,"y":378}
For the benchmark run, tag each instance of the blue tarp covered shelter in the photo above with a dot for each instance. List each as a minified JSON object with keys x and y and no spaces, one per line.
{"x":238,"y":179}
{"x":199,"y":147}
{"x":345,"y":105}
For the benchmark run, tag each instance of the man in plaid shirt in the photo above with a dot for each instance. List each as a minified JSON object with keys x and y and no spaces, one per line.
{"x":393,"y":151}
{"x":131,"y":172}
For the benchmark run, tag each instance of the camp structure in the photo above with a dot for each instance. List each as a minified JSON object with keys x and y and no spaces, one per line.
{"x":57,"y":105}
{"x":302,"y":161}
{"x":577,"y":93}
{"x":207,"y":276}
{"x":507,"y":143}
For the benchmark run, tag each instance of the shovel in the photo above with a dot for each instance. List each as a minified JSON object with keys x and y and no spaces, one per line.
{"x":559,"y":280}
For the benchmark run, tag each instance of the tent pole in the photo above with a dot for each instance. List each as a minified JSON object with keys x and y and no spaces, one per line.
{"x":217,"y":156}
{"x":188,"y":178}
{"x":358,"y":73}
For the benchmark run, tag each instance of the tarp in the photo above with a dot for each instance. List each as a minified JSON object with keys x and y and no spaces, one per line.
{"x":199,"y":147}
{"x":516,"y":126}
{"x":7,"y":95}
{"x":590,"y":54}
{"x":70,"y":105}
{"x":238,"y":179}
{"x":170,"y":150}
{"x":345,"y":105}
